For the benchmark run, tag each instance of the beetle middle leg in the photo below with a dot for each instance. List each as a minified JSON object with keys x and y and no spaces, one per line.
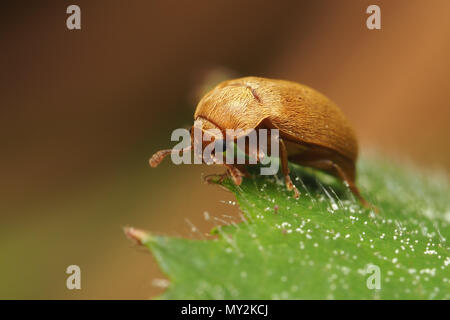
{"x":285,"y":169}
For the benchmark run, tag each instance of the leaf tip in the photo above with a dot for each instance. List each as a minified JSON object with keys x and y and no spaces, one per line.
{"x":137,"y":235}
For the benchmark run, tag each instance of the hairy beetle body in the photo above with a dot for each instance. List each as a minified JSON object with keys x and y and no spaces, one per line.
{"x":313,"y":130}
{"x":300,"y":113}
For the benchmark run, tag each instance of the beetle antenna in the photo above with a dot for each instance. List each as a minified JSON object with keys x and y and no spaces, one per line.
{"x":159,"y":156}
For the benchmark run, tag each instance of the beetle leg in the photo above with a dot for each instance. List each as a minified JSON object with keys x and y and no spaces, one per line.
{"x":354,"y":189}
{"x":235,"y":173}
{"x":243,"y":170}
{"x":330,"y":166}
{"x":159,"y":156}
{"x":285,"y":169}
{"x":351,"y":184}
{"x":210,"y":177}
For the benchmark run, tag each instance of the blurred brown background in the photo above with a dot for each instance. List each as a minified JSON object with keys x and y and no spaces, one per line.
{"x":81,"y":112}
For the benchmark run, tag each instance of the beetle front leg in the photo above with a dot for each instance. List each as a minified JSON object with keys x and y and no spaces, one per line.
{"x":235,"y":174}
{"x":232,"y":171}
{"x":215,"y":177}
{"x":285,"y":169}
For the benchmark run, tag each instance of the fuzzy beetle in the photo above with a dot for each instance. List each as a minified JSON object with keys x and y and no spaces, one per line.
{"x":313,"y":130}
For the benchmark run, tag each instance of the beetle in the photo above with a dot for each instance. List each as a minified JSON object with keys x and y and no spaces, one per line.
{"x":313,"y":131}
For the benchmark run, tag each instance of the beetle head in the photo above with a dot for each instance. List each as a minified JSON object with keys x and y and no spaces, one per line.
{"x":231,"y":105}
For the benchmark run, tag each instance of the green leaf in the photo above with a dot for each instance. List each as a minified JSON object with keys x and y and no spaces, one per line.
{"x":320,"y":245}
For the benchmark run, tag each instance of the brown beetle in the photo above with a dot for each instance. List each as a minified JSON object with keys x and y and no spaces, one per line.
{"x":313,"y":130}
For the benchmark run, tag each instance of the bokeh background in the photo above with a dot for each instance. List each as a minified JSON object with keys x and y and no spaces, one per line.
{"x":82,"y":111}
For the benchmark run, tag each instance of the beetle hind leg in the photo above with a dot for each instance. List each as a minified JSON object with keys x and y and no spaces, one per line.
{"x":336,"y":170}
{"x":350,"y":183}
